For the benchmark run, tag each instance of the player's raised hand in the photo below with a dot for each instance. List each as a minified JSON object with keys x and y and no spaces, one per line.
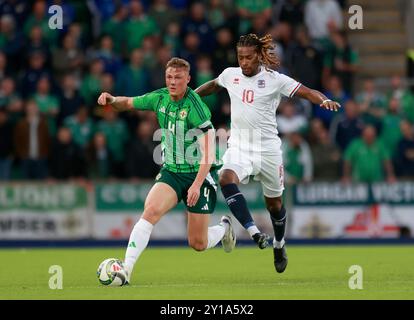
{"x":330,"y":105}
{"x":105,"y":98}
{"x":193,"y":194}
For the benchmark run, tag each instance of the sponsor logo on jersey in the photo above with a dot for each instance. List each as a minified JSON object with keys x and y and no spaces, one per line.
{"x":261,"y":83}
{"x":162,"y":109}
{"x":205,"y":207}
{"x":172,"y":114}
{"x":236,"y":81}
{"x":183,"y":114}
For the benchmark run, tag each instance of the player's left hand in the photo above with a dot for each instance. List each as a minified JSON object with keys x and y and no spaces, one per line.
{"x":330,"y":105}
{"x":193,"y":194}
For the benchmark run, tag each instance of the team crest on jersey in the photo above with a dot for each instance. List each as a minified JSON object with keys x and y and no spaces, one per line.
{"x":183,"y":114}
{"x":236,"y":81}
{"x":261,"y":83}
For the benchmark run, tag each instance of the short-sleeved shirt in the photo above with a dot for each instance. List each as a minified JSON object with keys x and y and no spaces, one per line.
{"x":367,"y":161}
{"x":254,"y":101}
{"x":181,"y":122}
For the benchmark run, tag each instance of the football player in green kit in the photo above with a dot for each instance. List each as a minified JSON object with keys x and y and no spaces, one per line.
{"x":186,"y":174}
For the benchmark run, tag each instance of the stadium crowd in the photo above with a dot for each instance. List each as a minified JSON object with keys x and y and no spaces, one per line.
{"x":52,"y":128}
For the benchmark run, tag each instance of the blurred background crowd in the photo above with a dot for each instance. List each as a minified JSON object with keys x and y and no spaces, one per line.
{"x":51,"y":127}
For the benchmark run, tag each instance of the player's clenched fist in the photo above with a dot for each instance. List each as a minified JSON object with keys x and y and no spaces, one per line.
{"x":106,"y":98}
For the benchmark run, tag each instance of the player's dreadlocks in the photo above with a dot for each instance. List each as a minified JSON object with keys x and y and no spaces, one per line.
{"x":264,"y":48}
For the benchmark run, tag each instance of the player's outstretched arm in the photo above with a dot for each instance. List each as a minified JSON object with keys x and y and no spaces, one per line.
{"x":208,"y":88}
{"x":317,"y":97}
{"x":118,"y":103}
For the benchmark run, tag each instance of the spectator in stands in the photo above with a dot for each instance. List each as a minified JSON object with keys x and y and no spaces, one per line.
{"x":190,"y":51}
{"x":297,"y":159}
{"x":19,"y":9}
{"x":283,"y":37}
{"x":36,"y":42}
{"x":4,"y":67}
{"x":404,"y":95}
{"x":115,"y":27}
{"x":197,"y":23}
{"x":39,"y":17}
{"x":107,"y":82}
{"x":31,"y":75}
{"x":304,"y":60}
{"x":248,"y":9}
{"x":321,"y":16}
{"x":140,"y":151}
{"x":149,"y":47}
{"x":224,"y":55}
{"x":47,"y":103}
{"x":291,"y":11}
{"x":340,"y":60}
{"x":138,"y":26}
{"x":132,"y":79}
{"x":367,"y":159}
{"x":81,"y":127}
{"x":91,"y":84}
{"x":372,"y":104}
{"x":326,"y":158}
{"x":404,"y":157}
{"x":112,"y":62}
{"x":31,"y":142}
{"x":157,"y":74}
{"x":163,"y":14}
{"x":67,"y":159}
{"x":69,"y":98}
{"x":99,"y":158}
{"x":205,"y":73}
{"x":11,"y":41}
{"x":346,"y":126}
{"x":335,"y":92}
{"x":260,"y":26}
{"x":6,"y":146}
{"x":216,"y":14}
{"x":172,"y":37}
{"x":116,"y":135}
{"x":69,"y":58}
{"x":390,"y":127}
{"x":289,"y":120}
{"x":9,"y":98}
{"x":316,"y":125}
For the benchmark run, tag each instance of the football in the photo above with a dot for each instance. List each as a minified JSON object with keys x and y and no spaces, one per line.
{"x":111,"y":272}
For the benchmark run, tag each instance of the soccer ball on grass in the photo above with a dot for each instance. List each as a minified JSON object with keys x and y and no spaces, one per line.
{"x":111,"y":272}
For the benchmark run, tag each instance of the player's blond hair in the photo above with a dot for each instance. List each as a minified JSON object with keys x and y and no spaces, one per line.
{"x":178,"y":63}
{"x":264,"y":47}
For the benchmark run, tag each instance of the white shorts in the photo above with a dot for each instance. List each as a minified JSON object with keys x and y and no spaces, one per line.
{"x":266,"y":168}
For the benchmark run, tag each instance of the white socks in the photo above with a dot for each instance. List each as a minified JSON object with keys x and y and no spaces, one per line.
{"x":252,"y":230}
{"x":138,"y":241}
{"x":277,"y":244}
{"x":215,"y":234}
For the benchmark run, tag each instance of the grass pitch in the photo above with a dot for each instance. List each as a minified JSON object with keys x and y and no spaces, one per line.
{"x":317,"y":272}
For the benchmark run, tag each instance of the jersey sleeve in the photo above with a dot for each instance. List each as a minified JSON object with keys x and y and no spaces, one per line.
{"x":287,"y":86}
{"x":147,"y":101}
{"x":199,"y":115}
{"x":223,"y":78}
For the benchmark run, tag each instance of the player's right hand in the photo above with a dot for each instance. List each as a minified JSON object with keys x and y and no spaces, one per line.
{"x":105,"y":98}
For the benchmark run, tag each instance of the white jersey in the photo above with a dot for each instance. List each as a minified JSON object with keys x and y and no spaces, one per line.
{"x":254,"y":101}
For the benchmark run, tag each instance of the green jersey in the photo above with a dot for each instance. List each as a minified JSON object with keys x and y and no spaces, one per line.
{"x":181,"y":122}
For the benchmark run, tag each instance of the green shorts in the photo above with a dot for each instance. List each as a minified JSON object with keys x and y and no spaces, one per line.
{"x":181,"y":182}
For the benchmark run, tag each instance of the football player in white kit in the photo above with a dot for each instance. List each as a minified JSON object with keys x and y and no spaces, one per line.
{"x":254,"y":148}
